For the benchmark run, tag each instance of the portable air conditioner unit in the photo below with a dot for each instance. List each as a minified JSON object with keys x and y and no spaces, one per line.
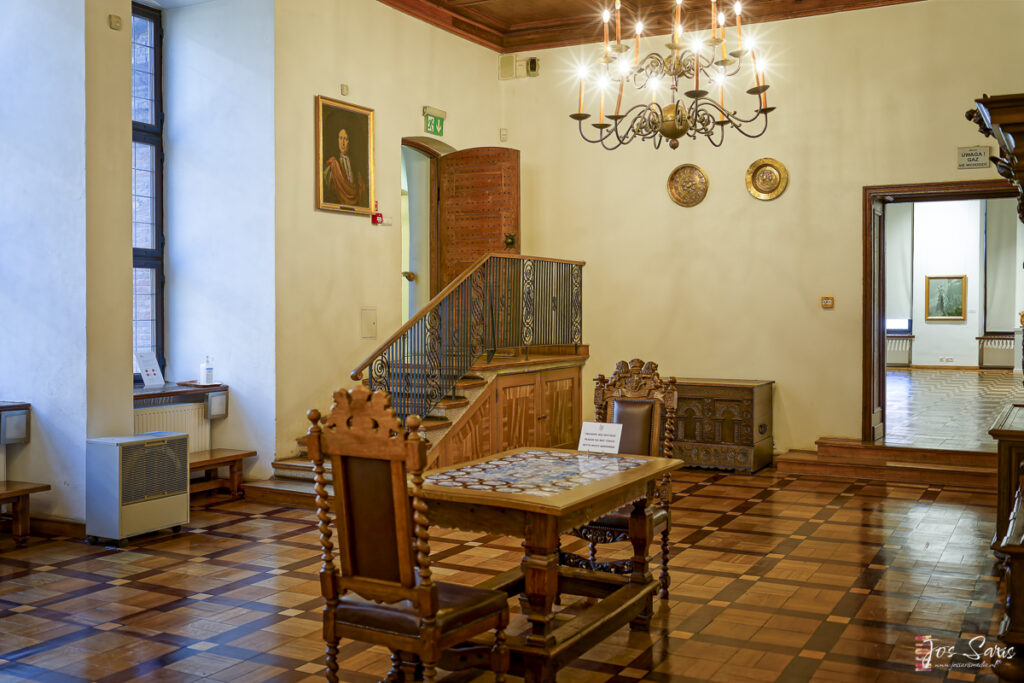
{"x":135,"y":484}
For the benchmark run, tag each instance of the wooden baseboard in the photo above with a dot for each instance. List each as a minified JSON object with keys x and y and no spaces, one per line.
{"x":57,"y":527}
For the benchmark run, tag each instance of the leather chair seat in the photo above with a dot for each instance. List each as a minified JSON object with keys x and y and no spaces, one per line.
{"x":457,"y":606}
{"x":619,"y":519}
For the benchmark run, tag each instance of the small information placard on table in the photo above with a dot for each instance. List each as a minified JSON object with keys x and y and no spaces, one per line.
{"x":600,"y":437}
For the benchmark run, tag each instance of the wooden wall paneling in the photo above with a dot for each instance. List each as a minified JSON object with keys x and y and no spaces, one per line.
{"x":472,"y":437}
{"x":515,"y":419}
{"x":560,"y":416}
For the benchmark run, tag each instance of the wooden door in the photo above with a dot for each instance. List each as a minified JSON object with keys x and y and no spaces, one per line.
{"x":478,"y":210}
{"x":559,"y":421}
{"x":874,"y":327}
{"x":516,"y":399}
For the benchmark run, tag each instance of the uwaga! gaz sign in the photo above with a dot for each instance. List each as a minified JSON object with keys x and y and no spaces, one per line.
{"x":972,"y":157}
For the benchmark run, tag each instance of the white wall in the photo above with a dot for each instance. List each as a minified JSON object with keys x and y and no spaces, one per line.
{"x":61,"y":334}
{"x":1001,"y":264}
{"x":220,"y":193}
{"x":947,"y":241}
{"x":731,"y":287}
{"x":329,"y":264}
{"x":899,"y":260}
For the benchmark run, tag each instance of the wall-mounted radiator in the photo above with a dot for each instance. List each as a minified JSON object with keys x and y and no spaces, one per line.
{"x":995,"y":352}
{"x":898,"y":350}
{"x":188,"y":418}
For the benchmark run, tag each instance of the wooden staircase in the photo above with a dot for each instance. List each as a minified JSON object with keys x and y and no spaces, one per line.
{"x":292,"y":483}
{"x":853,"y":459}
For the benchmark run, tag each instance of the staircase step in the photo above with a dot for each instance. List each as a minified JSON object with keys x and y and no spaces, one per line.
{"x":963,"y":476}
{"x":453,"y":402}
{"x":470,"y":382}
{"x":290,"y":492}
{"x":430,"y":423}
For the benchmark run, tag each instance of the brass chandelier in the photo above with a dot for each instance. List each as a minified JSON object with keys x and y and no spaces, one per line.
{"x":687,"y":69}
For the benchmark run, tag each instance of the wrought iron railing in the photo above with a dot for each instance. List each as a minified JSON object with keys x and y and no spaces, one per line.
{"x":500,"y":302}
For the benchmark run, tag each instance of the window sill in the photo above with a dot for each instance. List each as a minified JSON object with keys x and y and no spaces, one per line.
{"x":171,"y":392}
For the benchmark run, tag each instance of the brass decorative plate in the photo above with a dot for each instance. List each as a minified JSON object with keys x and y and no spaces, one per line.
{"x":687,"y":185}
{"x":767,"y":178}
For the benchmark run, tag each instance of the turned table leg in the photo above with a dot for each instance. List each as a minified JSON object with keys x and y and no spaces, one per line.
{"x":640,"y":538}
{"x":540,"y":571}
{"x":20,"y":520}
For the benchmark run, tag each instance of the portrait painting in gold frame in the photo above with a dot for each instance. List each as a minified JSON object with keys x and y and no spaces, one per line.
{"x":344,"y":157}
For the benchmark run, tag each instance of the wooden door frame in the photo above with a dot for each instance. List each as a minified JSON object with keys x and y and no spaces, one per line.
{"x":894,"y":194}
{"x":433,"y":150}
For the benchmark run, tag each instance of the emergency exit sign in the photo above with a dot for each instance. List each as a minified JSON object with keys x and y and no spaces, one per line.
{"x":433,"y":124}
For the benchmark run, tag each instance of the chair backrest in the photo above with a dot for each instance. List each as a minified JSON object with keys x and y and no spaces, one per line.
{"x":382,"y":526}
{"x":637,"y":398}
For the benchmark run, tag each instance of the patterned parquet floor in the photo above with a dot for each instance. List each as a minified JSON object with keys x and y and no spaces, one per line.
{"x":787,"y":578}
{"x":952,"y":409}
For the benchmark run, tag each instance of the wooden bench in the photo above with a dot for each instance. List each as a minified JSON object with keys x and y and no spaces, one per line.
{"x":212,"y":460}
{"x":16,"y":493}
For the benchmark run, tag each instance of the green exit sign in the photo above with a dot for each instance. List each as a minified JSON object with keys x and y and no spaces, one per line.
{"x":433,"y":124}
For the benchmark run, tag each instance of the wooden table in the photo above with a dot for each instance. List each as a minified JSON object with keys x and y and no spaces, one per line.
{"x":210,"y":461}
{"x":16,"y":493}
{"x":1008,"y":429}
{"x":538,"y":494}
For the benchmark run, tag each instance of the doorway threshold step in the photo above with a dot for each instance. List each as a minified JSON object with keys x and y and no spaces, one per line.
{"x":865,"y":451}
{"x":891,"y":470}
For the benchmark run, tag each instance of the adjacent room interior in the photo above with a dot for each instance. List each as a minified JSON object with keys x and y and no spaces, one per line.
{"x":482,"y":340}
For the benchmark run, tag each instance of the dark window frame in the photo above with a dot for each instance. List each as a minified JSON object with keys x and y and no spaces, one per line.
{"x":152,"y":134}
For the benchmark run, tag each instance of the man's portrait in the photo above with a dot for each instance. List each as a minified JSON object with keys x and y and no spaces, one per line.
{"x":344,"y":157}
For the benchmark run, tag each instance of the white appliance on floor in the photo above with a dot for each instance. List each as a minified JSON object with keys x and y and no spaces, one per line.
{"x":135,"y":484}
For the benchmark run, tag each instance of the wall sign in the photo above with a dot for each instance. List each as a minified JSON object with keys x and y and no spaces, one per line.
{"x":972,"y":157}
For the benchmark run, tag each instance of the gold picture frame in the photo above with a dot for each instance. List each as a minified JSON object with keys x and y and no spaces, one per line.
{"x":945,"y":297}
{"x":344,"y":157}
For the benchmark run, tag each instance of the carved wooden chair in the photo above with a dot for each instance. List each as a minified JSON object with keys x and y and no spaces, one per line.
{"x":637,"y":398}
{"x":383,"y":592}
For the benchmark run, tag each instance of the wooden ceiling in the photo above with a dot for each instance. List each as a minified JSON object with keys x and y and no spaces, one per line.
{"x":517,"y":25}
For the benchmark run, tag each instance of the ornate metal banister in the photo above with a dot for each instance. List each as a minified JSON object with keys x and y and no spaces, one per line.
{"x":502,"y":301}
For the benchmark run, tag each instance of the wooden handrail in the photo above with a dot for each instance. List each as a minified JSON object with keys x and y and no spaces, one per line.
{"x":357,"y":373}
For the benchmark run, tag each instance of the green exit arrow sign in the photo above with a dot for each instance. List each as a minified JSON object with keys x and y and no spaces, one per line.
{"x":433,"y":124}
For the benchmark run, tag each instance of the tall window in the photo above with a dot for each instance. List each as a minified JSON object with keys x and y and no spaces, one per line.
{"x":147,"y":184}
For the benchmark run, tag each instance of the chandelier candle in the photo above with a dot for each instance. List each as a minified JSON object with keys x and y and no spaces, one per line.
{"x":682,"y":112}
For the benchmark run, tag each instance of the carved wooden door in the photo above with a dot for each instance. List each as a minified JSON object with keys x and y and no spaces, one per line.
{"x":874,"y":327}
{"x":478,"y":210}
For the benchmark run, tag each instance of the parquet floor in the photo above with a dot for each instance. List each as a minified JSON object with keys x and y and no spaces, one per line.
{"x":773,"y":578}
{"x":951,"y":409}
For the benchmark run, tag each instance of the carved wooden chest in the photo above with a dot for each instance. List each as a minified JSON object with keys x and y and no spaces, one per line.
{"x":724,"y":424}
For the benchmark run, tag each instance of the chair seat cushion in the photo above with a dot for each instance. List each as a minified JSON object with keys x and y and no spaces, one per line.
{"x":457,"y":606}
{"x":619,"y":519}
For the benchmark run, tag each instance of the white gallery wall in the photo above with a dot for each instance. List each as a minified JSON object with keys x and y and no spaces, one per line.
{"x":731,"y":287}
{"x":219,"y":211}
{"x":947,"y":241}
{"x":1003,"y":232}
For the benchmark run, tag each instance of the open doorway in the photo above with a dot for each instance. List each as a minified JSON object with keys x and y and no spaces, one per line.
{"x":419,"y":219}
{"x":942,"y":279}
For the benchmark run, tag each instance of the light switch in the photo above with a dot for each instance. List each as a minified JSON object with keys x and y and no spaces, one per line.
{"x":368,"y":323}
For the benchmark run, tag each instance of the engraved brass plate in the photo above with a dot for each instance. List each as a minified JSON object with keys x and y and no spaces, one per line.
{"x":767,"y":178}
{"x":687,"y":185}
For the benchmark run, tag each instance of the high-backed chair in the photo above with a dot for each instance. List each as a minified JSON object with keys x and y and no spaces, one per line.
{"x":383,"y":592}
{"x":637,"y":398}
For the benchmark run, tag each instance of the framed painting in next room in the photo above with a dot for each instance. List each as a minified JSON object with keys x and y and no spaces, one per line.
{"x":344,"y":157}
{"x":944,"y":297}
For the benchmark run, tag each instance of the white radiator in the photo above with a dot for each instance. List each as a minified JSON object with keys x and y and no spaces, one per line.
{"x":189,"y":418}
{"x":995,"y":352}
{"x":898,"y":350}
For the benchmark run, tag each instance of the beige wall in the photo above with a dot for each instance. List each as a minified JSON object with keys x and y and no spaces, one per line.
{"x":108,"y":181}
{"x":730,"y":288}
{"x":328,"y":265}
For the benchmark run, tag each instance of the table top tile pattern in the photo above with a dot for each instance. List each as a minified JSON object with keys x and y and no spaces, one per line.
{"x":535,"y":472}
{"x":774,"y":578}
